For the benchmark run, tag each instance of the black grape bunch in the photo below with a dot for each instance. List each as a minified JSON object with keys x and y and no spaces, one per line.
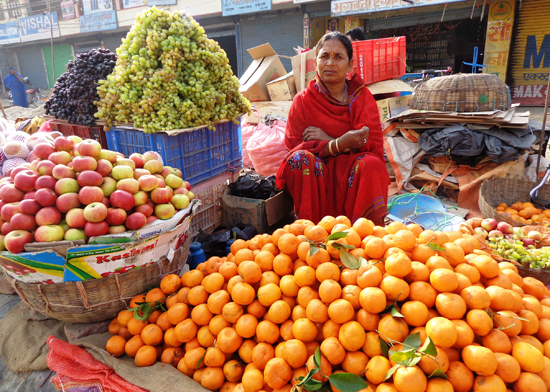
{"x":76,"y":90}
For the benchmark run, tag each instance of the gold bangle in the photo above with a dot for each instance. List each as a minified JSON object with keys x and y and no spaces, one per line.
{"x":330,"y":148}
{"x":337,"y":148}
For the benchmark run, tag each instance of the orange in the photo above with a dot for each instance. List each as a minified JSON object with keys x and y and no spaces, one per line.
{"x":441,"y":331}
{"x":305,"y":330}
{"x":145,"y":356}
{"x":213,"y":264}
{"x":487,"y":267}
{"x":233,"y":371}
{"x":229,"y":340}
{"x":329,"y":290}
{"x":244,"y":255}
{"x":186,"y":330}
{"x":253,"y":380}
{"x":480,"y":360}
{"x":369,"y":321}
{"x":351,"y":294}
{"x":480,"y":322}
{"x":348,"y":277}
{"x":460,"y":377}
{"x":419,"y":273}
{"x":228,"y":270}
{"x":450,"y":306}
{"x":476,"y":297}
{"x":422,"y":253}
{"x":163,"y":323}
{"x":212,"y":378}
{"x":369,"y":276}
{"x":197,"y":295}
{"x":423,"y":292}
{"x":132,"y":346}
{"x":138,"y":299}
{"x":155,"y":296}
{"x":465,"y":334}
{"x":246,"y":326}
{"x":170,"y":338}
{"x":192,"y":278}
{"x":243,"y":293}
{"x":268,"y":294}
{"x":279,"y":312}
{"x":327,"y":271}
{"x":172,"y":356}
{"x":152,"y":335}
{"x":435,"y":262}
{"x":238,"y":245}
{"x":246,"y":350}
{"x":375,"y":248}
{"x":373,"y":299}
{"x":439,"y":385}
{"x":529,"y":382}
{"x":250,"y":272}
{"x":298,"y":312}
{"x":261,"y":354}
{"x":332,"y":251}
{"x":305,"y":276}
{"x":341,"y":311}
{"x":509,"y":321}
{"x":429,"y":365}
{"x":217,"y":301}
{"x":415,"y":312}
{"x":410,"y":379}
{"x":352,"y":336}
{"x":395,"y":288}
{"x":507,"y":368}
{"x":316,"y":233}
{"x":288,"y":243}
{"x":124,"y":316}
{"x":395,"y":226}
{"x":277,"y":373}
{"x":326,"y":368}
{"x":232,"y":311}
{"x":471,"y":272}
{"x":177,"y":313}
{"x":135,"y":326}
{"x":405,"y":239}
{"x":355,"y":362}
{"x":529,"y":358}
{"x":267,"y":332}
{"x":317,"y":311}
{"x":333,"y":350}
{"x":376,"y":369}
{"x":453,"y":253}
{"x":115,"y":345}
{"x":398,"y":264}
{"x":531,"y":326}
{"x":295,"y":353}
{"x":282,"y":264}
{"x":393,"y":328}
{"x":363,"y":227}
{"x":288,"y":286}
{"x":306,"y":294}
{"x":443,"y":280}
{"x":201,"y":315}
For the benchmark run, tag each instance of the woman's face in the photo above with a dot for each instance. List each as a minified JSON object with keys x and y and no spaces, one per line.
{"x":332,"y":62}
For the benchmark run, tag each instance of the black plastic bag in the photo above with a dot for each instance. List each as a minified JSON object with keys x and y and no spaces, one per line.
{"x":254,"y":186}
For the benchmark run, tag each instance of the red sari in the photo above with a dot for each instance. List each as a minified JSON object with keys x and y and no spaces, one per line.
{"x":355,"y":184}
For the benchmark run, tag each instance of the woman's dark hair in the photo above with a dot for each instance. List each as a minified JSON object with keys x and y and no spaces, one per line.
{"x":357,"y":34}
{"x":340,"y":37}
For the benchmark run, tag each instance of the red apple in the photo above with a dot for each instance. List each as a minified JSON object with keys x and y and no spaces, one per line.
{"x":108,"y":186}
{"x":6,"y":228}
{"x":45,"y":181}
{"x":43,"y":150}
{"x":60,"y":157}
{"x":117,"y":229}
{"x":140,"y":198}
{"x":63,"y":144}
{"x":108,"y":155}
{"x":187,"y":185}
{"x":15,"y":241}
{"x":135,"y":221}
{"x":128,"y":184}
{"x":140,"y":173}
{"x":29,"y":195}
{"x":9,"y":210}
{"x":89,"y":148}
{"x":125,"y":162}
{"x":89,"y":178}
{"x":33,"y":160}
{"x":138,"y":160}
{"x":147,"y":183}
{"x":149,"y":155}
{"x":104,"y":167}
{"x":75,"y":218}
{"x":29,"y":206}
{"x":116,"y":216}
{"x":48,"y":216}
{"x":90,"y":194}
{"x":49,"y":233}
{"x":96,"y":228}
{"x":161,"y":195}
{"x":45,"y":197}
{"x":16,"y":170}
{"x":106,"y":201}
{"x":25,"y":180}
{"x":67,"y":202}
{"x":95,"y":212}
{"x":62,"y":171}
{"x":153,"y":166}
{"x":23,"y":222}
{"x":165,"y":171}
{"x":177,"y":172}
{"x":122,"y":199}
{"x":181,"y":191}
{"x":164,"y":211}
{"x":66,"y":185}
{"x":45,"y":167}
{"x":81,"y":164}
{"x":162,"y":183}
{"x":145,"y":209}
{"x":151,"y":219}
{"x":9,"y":193}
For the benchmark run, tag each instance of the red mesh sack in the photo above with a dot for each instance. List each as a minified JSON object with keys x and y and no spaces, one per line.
{"x":76,"y":366}
{"x":266,"y":147}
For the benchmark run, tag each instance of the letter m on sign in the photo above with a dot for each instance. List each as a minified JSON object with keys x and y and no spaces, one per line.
{"x":538,"y":56}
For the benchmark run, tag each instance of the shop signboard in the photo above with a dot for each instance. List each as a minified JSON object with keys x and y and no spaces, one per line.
{"x":98,"y":21}
{"x":35,"y":27}
{"x":9,"y":33}
{"x":530,"y":57}
{"x":238,"y":7}
{"x":499,"y":36}
{"x":353,"y":7}
{"x":151,"y":3}
{"x":94,"y":6}
{"x":67,"y":10}
{"x":132,"y":3}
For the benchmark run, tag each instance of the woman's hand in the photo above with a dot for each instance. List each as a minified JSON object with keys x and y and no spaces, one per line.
{"x":354,"y":139}
{"x":314,"y":133}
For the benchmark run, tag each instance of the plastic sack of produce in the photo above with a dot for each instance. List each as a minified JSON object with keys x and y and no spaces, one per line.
{"x":77,"y":370}
{"x":266,"y":148}
{"x":247,"y":130}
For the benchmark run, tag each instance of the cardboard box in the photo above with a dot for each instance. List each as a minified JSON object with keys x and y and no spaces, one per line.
{"x":392,"y":107}
{"x":266,"y":67}
{"x":259,"y":213}
{"x":304,"y":62}
{"x":282,"y":89}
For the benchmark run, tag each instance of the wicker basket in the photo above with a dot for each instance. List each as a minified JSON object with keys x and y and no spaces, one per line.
{"x":97,"y":299}
{"x":506,"y":190}
{"x":463,"y":93}
{"x":541,"y":274}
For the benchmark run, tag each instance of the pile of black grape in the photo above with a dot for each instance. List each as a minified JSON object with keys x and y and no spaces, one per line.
{"x":76,"y":90}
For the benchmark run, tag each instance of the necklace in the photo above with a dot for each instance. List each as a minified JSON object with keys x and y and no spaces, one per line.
{"x":345,"y":99}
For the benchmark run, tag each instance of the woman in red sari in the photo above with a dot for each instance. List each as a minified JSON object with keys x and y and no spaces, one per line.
{"x":336,"y":162}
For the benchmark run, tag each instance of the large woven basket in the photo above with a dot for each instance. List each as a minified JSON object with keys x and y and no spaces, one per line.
{"x":506,"y":190}
{"x":541,"y":274}
{"x":97,"y":299}
{"x":463,"y":93}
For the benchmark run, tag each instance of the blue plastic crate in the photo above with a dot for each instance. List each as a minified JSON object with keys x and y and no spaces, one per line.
{"x":199,"y":154}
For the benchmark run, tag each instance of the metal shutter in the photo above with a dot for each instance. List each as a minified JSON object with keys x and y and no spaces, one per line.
{"x":282,"y":30}
{"x":31,"y":65}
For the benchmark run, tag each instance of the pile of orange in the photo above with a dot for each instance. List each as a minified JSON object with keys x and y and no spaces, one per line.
{"x":525,"y":213}
{"x":253,"y":320}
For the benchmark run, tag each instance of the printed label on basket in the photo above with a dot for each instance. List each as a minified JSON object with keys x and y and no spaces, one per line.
{"x":42,"y":267}
{"x":98,"y":261}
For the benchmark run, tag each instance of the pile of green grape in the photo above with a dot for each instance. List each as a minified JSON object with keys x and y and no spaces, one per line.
{"x":512,"y":249}
{"x":169,"y":75}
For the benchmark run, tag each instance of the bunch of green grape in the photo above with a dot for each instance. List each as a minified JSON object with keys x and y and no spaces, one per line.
{"x":512,"y":249}
{"x":169,"y":75}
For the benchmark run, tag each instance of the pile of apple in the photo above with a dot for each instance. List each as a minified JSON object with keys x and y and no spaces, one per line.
{"x":74,"y":190}
{"x":490,"y":228}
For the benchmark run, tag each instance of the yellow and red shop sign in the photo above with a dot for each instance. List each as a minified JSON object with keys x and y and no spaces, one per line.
{"x":531,"y":53}
{"x":499,"y":36}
